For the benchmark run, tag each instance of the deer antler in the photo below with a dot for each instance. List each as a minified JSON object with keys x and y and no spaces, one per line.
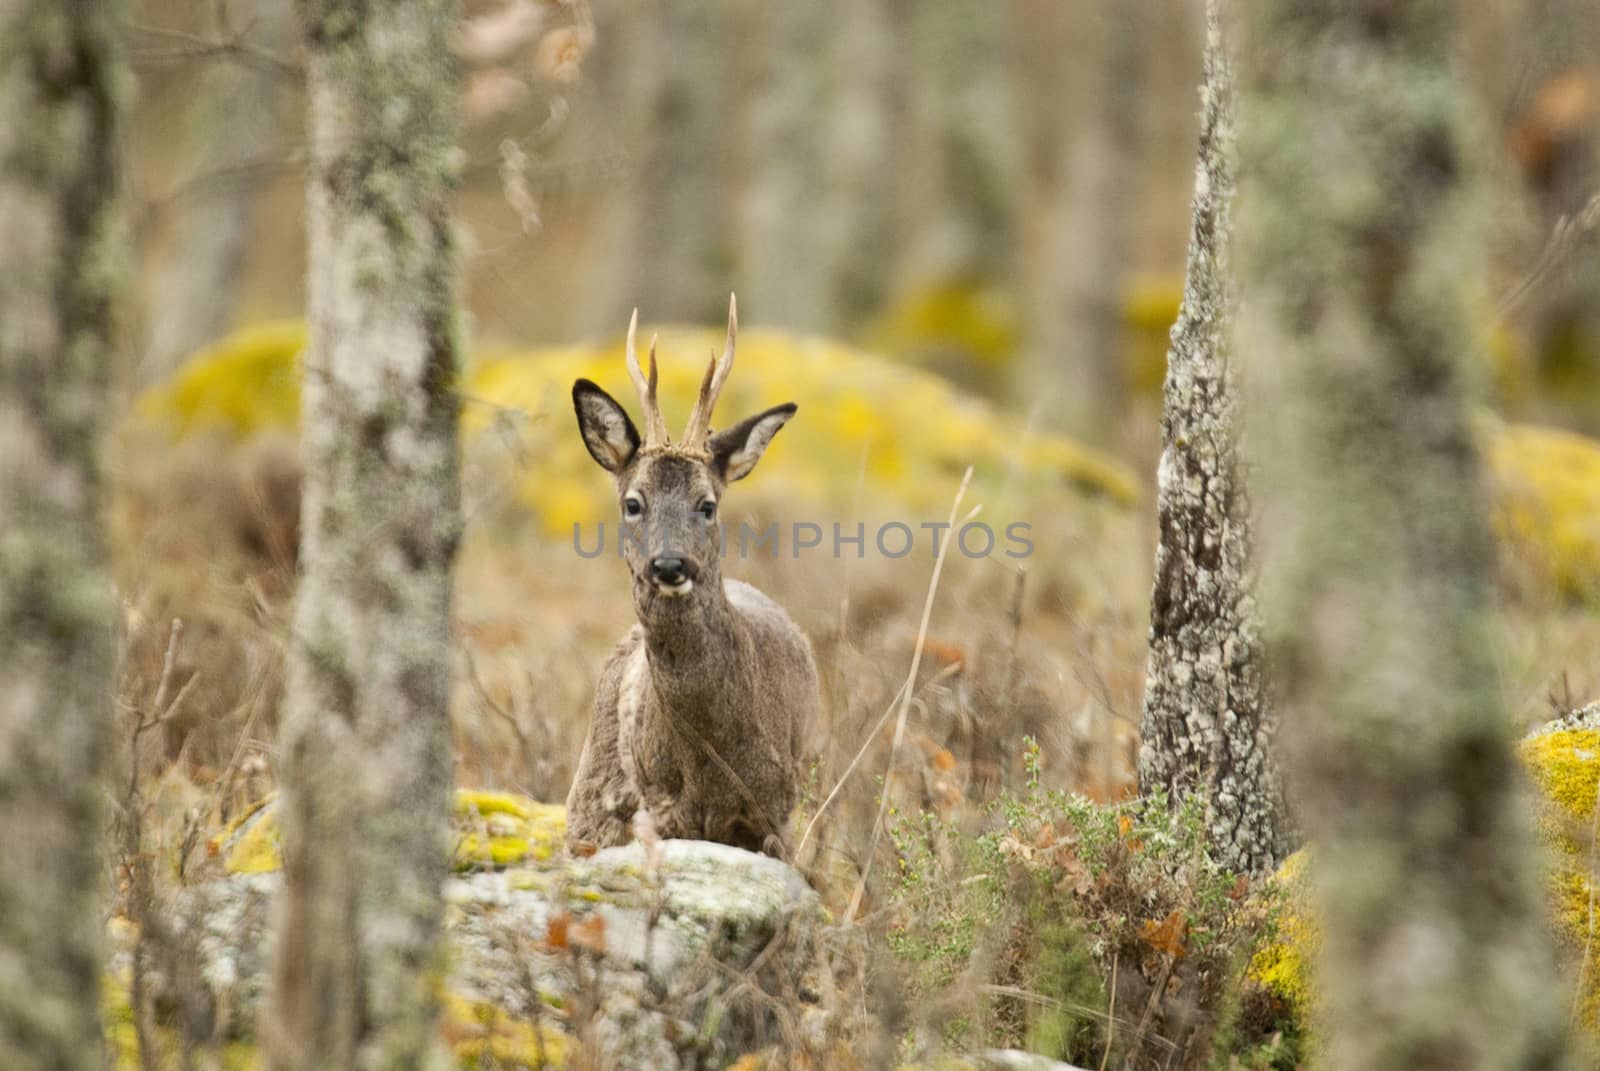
{"x":655,"y":428}
{"x":711,"y":386}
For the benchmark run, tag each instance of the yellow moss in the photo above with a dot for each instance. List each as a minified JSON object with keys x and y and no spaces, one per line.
{"x":246,"y":383}
{"x":1565,"y":765}
{"x":494,"y":829}
{"x":1547,"y":493}
{"x":1283,"y":967}
{"x":966,"y":317}
{"x":252,"y":841}
{"x":484,"y":1036}
{"x":915,"y":430}
{"x":122,"y":1038}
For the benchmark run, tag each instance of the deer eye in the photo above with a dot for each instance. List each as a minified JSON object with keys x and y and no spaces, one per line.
{"x":633,"y":505}
{"x":708,"y":509}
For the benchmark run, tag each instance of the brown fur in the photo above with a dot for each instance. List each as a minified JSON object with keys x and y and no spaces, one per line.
{"x":702,"y":713}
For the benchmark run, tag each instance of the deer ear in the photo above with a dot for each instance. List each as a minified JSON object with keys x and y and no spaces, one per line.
{"x":607,"y":432}
{"x":735,"y":450}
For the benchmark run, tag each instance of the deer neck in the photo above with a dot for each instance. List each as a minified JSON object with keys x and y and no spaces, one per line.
{"x":696,"y":650}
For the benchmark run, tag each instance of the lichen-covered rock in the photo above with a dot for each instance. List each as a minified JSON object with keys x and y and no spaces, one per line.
{"x":682,"y":954}
{"x":493,"y":829}
{"x":1564,"y":762}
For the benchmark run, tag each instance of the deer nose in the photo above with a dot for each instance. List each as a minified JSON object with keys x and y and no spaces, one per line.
{"x":668,"y":571}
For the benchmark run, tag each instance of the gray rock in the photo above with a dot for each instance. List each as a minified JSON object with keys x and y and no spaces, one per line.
{"x":667,"y":958}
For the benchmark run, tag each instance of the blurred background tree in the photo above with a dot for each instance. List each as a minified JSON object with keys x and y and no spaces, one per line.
{"x":365,"y":751}
{"x":1362,"y":253}
{"x":63,"y":91}
{"x":994,"y":191}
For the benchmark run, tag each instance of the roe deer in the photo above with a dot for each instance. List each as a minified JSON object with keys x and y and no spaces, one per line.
{"x":701,"y":713}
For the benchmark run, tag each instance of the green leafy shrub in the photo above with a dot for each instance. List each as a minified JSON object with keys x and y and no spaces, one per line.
{"x":1078,"y":926}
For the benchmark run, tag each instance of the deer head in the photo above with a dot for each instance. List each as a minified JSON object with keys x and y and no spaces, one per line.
{"x":669,"y":493}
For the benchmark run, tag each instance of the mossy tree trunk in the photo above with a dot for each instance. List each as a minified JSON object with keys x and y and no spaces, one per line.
{"x":1360,"y":258}
{"x":61,"y":89}
{"x":1208,"y":725}
{"x":364,"y":757}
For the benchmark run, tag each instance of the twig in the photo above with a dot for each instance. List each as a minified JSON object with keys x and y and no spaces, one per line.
{"x":894,"y":705}
{"x":1111,"y":1013}
{"x":1563,"y":236}
{"x":905,"y":692}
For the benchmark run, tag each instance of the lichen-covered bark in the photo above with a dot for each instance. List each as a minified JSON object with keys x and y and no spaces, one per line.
{"x":364,"y":753}
{"x":61,"y":87}
{"x":1361,"y":250}
{"x":1208,"y":725}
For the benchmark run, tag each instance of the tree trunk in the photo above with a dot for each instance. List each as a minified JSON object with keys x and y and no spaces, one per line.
{"x":665,"y":244}
{"x":62,"y":84}
{"x":857,"y":235}
{"x":1360,"y":253}
{"x":958,"y":171}
{"x":781,"y":234}
{"x":197,"y":289}
{"x":1076,"y":344}
{"x":365,"y":750}
{"x":1208,"y":726}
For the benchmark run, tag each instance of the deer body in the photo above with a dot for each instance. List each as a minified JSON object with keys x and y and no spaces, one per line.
{"x":702,"y":712}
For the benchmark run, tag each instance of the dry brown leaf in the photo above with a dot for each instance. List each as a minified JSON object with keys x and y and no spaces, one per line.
{"x":555,"y":932}
{"x":589,"y":934}
{"x":1168,"y":935}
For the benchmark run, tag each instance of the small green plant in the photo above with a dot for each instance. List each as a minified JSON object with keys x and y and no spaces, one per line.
{"x":1077,"y":926}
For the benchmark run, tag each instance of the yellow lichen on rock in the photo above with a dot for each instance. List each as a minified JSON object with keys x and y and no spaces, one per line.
{"x":505,"y":829}
{"x":483,"y":1036}
{"x":1565,"y":765}
{"x":1547,"y":492}
{"x":1283,"y":966}
{"x":493,"y":829}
